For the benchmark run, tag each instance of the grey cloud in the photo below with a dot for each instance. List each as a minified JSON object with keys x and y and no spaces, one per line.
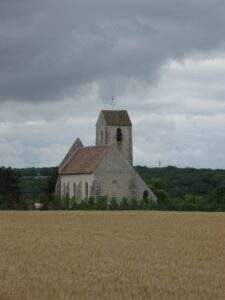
{"x":49,"y":49}
{"x":162,"y":60}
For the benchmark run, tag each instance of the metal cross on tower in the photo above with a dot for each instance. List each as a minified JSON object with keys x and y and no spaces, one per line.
{"x":113,"y":103}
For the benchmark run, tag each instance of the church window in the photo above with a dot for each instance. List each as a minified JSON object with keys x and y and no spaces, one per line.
{"x":97,"y":190}
{"x":75,"y":190}
{"x":79,"y":191}
{"x":119,"y":135}
{"x":133,"y":188}
{"x":114,"y":188}
{"x":64,"y":189}
{"x":106,"y":137}
{"x":92,"y":190}
{"x":102,"y":136}
{"x":86,"y":189}
{"x":145,"y":195}
{"x":67,"y":190}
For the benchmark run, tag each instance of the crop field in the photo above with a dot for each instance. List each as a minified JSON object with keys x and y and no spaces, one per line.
{"x":112,"y":255}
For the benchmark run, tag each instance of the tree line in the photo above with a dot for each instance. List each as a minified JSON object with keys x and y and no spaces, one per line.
{"x":186,"y":189}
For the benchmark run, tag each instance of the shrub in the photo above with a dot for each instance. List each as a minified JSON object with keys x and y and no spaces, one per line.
{"x":133,"y":204}
{"x":124,"y":205}
{"x":101,"y":203}
{"x":91,"y":203}
{"x":113,"y":204}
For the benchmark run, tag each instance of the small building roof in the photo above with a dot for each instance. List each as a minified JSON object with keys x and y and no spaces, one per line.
{"x":85,"y":160}
{"x":116,"y":117}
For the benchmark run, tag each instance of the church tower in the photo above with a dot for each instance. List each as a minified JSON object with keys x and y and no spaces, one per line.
{"x":115,"y":127}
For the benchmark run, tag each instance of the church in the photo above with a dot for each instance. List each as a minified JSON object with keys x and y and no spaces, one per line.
{"x":105,"y":169}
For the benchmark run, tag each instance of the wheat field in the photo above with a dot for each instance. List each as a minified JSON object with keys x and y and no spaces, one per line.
{"x":112,"y":255}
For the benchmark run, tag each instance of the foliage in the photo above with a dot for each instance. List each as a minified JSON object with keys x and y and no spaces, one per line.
{"x":65,"y":203}
{"x":9,"y":189}
{"x":113,"y":204}
{"x":178,"y":182}
{"x":101,"y":203}
{"x":32,"y":189}
{"x":176,"y":189}
{"x":55,"y":203}
{"x":124,"y":205}
{"x":51,"y":183}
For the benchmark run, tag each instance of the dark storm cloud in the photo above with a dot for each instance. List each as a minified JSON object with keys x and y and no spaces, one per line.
{"x":163,"y":60}
{"x":50,"y":49}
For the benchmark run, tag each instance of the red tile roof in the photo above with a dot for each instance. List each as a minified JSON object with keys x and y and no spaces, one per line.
{"x":85,"y":160}
{"x":73,"y":149}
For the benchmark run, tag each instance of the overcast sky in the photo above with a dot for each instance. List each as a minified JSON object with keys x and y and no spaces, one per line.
{"x":62,"y":61}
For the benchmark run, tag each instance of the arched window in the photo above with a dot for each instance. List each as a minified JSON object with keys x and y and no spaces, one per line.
{"x":67,"y":190}
{"x":119,"y":135}
{"x":64,"y":189}
{"x":92,"y":189}
{"x":145,"y":195}
{"x":102,"y":136}
{"x":133,"y":188}
{"x":79,"y":191}
{"x":106,"y":137}
{"x":86,"y":189}
{"x":75,"y":190}
{"x":97,"y":187}
{"x":114,"y":188}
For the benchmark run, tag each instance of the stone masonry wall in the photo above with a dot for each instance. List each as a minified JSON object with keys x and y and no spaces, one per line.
{"x":107,"y":136}
{"x":118,"y":178}
{"x":67,"y":182}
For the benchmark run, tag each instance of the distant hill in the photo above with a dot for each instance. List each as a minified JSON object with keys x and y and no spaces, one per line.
{"x":33,"y":181}
{"x":35,"y":172}
{"x":179,"y":182}
{"x":176,"y":188}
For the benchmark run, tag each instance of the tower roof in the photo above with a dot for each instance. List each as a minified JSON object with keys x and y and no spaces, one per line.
{"x":116,"y":117}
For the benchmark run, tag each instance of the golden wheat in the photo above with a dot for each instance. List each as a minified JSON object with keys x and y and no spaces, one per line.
{"x":112,"y":255}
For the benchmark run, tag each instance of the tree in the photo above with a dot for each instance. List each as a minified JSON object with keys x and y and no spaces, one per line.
{"x":133,"y":204}
{"x":9,"y":189}
{"x":144,"y":204}
{"x":91,"y":203}
{"x":101,"y":203}
{"x":124,"y":203}
{"x":51,"y":183}
{"x":113,"y":204}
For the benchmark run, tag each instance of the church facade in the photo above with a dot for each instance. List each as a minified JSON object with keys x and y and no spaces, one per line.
{"x":105,"y":169}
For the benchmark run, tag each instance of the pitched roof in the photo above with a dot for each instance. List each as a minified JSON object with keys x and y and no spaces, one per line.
{"x":85,"y":160}
{"x":73,"y":149}
{"x":116,"y":117}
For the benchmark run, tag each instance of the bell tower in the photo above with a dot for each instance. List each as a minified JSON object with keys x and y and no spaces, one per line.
{"x":115,"y":127}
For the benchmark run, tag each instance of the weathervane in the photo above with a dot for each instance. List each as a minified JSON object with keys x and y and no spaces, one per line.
{"x":113,"y":103}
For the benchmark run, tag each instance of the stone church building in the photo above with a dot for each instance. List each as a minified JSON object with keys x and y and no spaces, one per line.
{"x":105,"y":169}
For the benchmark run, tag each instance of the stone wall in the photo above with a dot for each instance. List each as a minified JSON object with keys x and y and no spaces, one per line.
{"x":80,"y":181}
{"x":118,"y":178}
{"x":107,"y":136}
